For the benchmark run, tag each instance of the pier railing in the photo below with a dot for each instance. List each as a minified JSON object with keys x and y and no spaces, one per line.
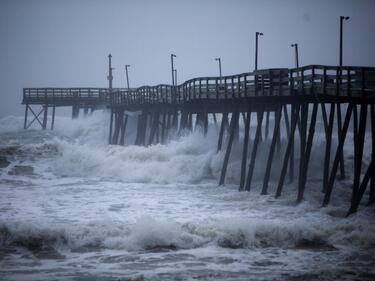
{"x":63,"y":96}
{"x":307,"y":80}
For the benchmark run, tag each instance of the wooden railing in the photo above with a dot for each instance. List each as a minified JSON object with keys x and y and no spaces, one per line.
{"x":307,"y":80}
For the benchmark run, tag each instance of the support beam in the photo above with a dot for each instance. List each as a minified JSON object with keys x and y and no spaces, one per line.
{"x":25,"y":121}
{"x":110,"y":127}
{"x":123,"y":129}
{"x":245,"y":149}
{"x":342,"y":163}
{"x":302,"y":185}
{"x":275,"y":136}
{"x":255,"y":149}
{"x":372,"y":183}
{"x":36,"y":117}
{"x":302,"y":161}
{"x":327,"y":154}
{"x":369,"y":173}
{"x":45,"y":117}
{"x":233,"y":125}
{"x":335,"y":164}
{"x":294,"y":116}
{"x":358,"y":155}
{"x":53,"y":117}
{"x":224,"y":122}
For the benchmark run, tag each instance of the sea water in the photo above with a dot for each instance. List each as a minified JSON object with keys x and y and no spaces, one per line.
{"x":92,"y":211}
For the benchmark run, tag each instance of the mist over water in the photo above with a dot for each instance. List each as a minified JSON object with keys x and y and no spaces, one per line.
{"x":92,"y":211}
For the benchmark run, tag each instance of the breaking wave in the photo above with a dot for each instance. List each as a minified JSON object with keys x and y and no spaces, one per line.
{"x":148,"y":233}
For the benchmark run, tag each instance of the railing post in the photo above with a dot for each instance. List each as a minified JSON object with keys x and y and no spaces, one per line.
{"x":312,"y":91}
{"x":232,"y":86}
{"x":239,"y":86}
{"x":200,"y":88}
{"x":338,"y":80}
{"x":363,"y":85}
{"x":324,"y":80}
{"x":270,"y":74}
{"x":225,"y":88}
{"x":194,"y":91}
{"x":245,"y":85}
{"x":303,"y":81}
{"x":291,"y":82}
{"x":207,"y":89}
{"x":217,"y":88}
{"x":262,"y":85}
{"x":348,"y":78}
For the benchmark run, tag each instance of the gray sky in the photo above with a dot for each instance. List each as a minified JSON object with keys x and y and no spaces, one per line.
{"x":50,"y":43}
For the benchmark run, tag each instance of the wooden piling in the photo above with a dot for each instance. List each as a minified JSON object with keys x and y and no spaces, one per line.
{"x":302,"y":161}
{"x":307,"y":152}
{"x":342,"y":163}
{"x":327,"y":155}
{"x":335,"y":164}
{"x":26,"y":112}
{"x":110,"y":127}
{"x":272,"y":149}
{"x":255,"y":148}
{"x":123,"y":129}
{"x":224,"y":121}
{"x":287,"y":156}
{"x":53,"y":117}
{"x":45,"y":116}
{"x":369,"y":173}
{"x":233,"y":125}
{"x":372,"y":183}
{"x":154,"y":127}
{"x":267,"y":125}
{"x":359,"y":153}
{"x":245,"y":149}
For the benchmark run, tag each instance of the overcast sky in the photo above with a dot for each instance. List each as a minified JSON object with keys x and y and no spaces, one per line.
{"x":66,"y":43}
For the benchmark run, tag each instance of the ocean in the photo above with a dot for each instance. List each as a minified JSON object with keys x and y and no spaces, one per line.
{"x":73,"y":207}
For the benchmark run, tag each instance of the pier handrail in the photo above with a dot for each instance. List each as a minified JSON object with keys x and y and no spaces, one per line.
{"x":348,"y":81}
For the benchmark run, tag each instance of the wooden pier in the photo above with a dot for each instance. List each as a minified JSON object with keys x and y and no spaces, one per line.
{"x":296,"y":99}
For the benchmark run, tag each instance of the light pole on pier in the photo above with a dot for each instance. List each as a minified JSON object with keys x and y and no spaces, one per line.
{"x":342,"y":18}
{"x":172,"y":56}
{"x":175,"y":77}
{"x":295,"y":45}
{"x":127,"y":75}
{"x":257,"y":34}
{"x":110,"y":68}
{"x":219,"y":60}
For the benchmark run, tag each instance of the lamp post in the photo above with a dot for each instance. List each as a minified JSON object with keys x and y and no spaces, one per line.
{"x":219,"y":60}
{"x":175,"y":77}
{"x":127,"y":75}
{"x":342,"y":18}
{"x":172,"y":56}
{"x":342,"y":167}
{"x":110,"y":68}
{"x":295,"y":45}
{"x":257,"y":34}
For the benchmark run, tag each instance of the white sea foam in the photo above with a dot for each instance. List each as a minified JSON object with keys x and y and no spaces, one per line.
{"x":148,"y":233}
{"x":104,"y":201}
